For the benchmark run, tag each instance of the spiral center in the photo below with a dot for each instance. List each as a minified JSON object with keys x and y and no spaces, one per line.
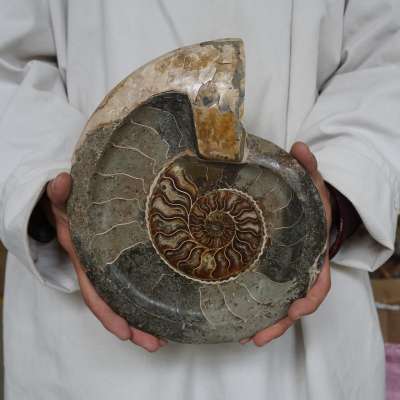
{"x":218,"y":223}
{"x":215,"y":230}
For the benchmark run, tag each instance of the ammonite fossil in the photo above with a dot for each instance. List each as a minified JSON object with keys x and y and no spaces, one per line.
{"x":189,"y":227}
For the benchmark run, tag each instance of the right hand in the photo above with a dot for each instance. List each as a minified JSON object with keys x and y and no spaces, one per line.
{"x":58,"y":191}
{"x":319,"y":290}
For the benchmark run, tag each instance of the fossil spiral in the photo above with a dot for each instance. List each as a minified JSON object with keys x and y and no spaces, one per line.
{"x":209,"y":236}
{"x":189,"y":227}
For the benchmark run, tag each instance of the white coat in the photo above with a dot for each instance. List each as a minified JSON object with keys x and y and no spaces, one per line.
{"x":323,"y":71}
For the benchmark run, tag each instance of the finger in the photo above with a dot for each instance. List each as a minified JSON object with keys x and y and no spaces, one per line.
{"x":302,"y":153}
{"x":265,"y":336}
{"x":145,"y":340}
{"x":110,"y":320}
{"x":58,"y":189}
{"x":306,"y":158}
{"x":63,"y":234}
{"x":315,"y":296}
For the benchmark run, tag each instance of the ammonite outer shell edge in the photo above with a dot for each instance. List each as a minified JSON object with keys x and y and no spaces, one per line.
{"x":189,"y":227}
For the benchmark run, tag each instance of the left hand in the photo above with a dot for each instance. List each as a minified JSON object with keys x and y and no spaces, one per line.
{"x":58,"y":191}
{"x":322,"y":285}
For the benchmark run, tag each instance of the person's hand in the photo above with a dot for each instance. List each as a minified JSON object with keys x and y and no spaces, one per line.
{"x":58,"y":191}
{"x":322,"y":285}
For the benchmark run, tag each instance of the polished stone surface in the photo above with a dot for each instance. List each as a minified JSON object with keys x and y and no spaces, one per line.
{"x":189,"y":227}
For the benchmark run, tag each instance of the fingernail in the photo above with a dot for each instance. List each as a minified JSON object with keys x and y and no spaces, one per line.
{"x":244,"y":341}
{"x":163,"y":342}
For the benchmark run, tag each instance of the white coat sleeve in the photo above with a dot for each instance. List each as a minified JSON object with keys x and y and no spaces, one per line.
{"x":354,"y":128}
{"x":38,"y":131}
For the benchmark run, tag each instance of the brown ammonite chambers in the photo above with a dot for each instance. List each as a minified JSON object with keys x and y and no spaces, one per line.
{"x":211,"y":236}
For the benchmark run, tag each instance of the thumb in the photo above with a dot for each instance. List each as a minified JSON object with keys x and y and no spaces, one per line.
{"x":58,"y":189}
{"x":306,"y":158}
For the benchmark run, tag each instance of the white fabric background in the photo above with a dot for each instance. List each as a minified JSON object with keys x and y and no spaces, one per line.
{"x":326,"y":72}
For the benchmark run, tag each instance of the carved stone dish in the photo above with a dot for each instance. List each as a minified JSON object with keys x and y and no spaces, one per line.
{"x":189,"y":227}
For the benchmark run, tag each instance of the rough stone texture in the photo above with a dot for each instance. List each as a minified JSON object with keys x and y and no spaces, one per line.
{"x":188,"y":227}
